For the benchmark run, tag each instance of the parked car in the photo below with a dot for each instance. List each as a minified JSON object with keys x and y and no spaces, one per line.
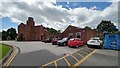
{"x":55,"y":40}
{"x":75,"y":42}
{"x":48,"y":40}
{"x":63,"y":42}
{"x":95,"y":41}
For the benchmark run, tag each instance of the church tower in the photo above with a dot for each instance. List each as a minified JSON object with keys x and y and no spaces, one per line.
{"x":30,"y":22}
{"x":30,"y":28}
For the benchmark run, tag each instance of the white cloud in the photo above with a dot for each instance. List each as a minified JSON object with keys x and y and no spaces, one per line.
{"x":49,"y":15}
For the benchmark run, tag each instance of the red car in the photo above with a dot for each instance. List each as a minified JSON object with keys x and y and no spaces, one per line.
{"x":54,"y":41}
{"x":75,"y":42}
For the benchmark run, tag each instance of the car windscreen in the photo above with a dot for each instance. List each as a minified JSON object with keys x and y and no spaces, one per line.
{"x":94,"y":39}
{"x":72,"y":39}
{"x":64,"y":39}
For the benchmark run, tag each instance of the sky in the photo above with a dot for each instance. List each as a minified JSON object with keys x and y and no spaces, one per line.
{"x":58,"y":15}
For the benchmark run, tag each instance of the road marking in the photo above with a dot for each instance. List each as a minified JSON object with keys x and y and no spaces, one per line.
{"x":10,"y":59}
{"x":67,"y":62}
{"x":64,"y":57}
{"x":59,"y":58}
{"x":90,"y":49}
{"x":74,"y":58}
{"x":87,"y":50}
{"x":83,"y":52}
{"x":79,"y":55}
{"x":56,"y":65}
{"x":79,"y":62}
{"x":52,"y":62}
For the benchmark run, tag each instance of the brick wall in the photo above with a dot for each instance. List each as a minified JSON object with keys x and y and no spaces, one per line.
{"x":32,"y":32}
{"x":86,"y":34}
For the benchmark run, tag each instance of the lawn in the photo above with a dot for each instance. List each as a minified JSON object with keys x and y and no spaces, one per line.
{"x":3,"y":50}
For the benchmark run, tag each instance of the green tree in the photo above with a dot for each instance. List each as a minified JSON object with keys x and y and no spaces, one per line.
{"x":12,"y":33}
{"x":52,"y":30}
{"x":118,"y":32}
{"x":106,"y":26}
{"x":20,"y":38}
{"x":59,"y":31}
{"x":4,"y":35}
{"x":87,"y":27}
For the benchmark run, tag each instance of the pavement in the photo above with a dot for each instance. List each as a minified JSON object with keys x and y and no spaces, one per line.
{"x":36,"y":53}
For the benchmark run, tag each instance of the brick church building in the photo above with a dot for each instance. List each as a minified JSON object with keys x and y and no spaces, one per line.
{"x":76,"y":32}
{"x":31,"y":32}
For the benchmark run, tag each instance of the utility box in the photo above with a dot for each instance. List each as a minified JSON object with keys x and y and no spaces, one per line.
{"x":112,"y":41}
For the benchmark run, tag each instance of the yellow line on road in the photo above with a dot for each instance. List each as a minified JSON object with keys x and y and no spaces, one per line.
{"x":74,"y":58}
{"x":83,"y":52}
{"x":62,"y":58}
{"x":10,"y":59}
{"x":52,"y":62}
{"x":87,"y":50}
{"x":56,"y":65}
{"x":79,"y":55}
{"x":67,"y":62}
{"x":7,"y":61}
{"x":59,"y":59}
{"x":79,"y":62}
{"x":90,"y":48}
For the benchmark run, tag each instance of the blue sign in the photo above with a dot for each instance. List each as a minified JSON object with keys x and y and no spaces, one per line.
{"x":112,"y":41}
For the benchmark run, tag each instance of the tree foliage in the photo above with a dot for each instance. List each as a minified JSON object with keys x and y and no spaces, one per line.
{"x":4,"y":35}
{"x":10,"y":34}
{"x":20,"y":38}
{"x":54,"y":31}
{"x":87,"y":27}
{"x":106,"y":26}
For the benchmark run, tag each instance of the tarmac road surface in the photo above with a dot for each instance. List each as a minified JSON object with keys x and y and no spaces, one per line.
{"x":39,"y":53}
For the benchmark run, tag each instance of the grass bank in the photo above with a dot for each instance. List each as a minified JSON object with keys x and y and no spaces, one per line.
{"x":4,"y":50}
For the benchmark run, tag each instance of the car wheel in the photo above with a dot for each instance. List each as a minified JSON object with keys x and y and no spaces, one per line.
{"x":88,"y":45}
{"x":69,"y":46}
{"x":100,"y":46}
{"x":77,"y":46}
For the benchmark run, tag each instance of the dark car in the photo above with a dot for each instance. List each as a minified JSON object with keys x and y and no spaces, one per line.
{"x":48,"y":40}
{"x":63,"y":42}
{"x":55,"y":40}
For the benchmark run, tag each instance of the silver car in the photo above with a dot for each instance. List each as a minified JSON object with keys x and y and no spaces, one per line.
{"x":95,"y":41}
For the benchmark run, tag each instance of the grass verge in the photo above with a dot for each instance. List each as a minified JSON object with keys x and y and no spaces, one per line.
{"x":4,"y":50}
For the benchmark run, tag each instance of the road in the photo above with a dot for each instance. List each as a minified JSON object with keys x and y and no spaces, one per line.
{"x":39,"y":53}
{"x":102,"y":57}
{"x":32,"y":53}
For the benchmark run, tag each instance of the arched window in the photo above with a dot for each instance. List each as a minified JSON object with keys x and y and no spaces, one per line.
{"x":71,"y":35}
{"x":78,"y":34}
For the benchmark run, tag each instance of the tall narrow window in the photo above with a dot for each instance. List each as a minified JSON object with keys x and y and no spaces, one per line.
{"x":78,"y":34}
{"x":71,"y":35}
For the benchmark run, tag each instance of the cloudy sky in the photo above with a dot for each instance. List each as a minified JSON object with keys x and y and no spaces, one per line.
{"x":58,"y":15}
